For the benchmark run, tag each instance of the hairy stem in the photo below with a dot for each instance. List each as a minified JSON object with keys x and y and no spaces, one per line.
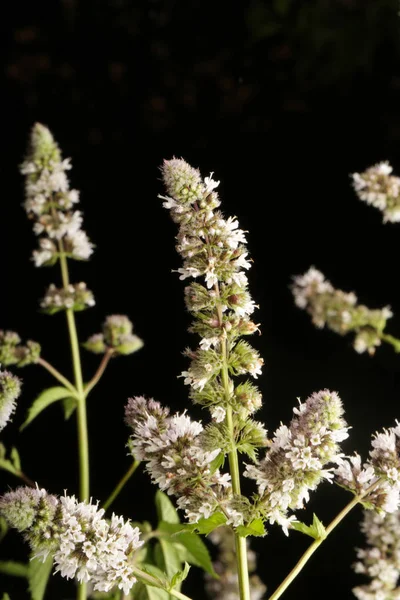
{"x":310,"y":551}
{"x":240,"y":542}
{"x":101,"y":368}
{"x":121,"y":484}
{"x":395,"y":342}
{"x":46,"y":365}
{"x":83,"y":441}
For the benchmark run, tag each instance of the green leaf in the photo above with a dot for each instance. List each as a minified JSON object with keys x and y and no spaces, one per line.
{"x":206,"y":526}
{"x":179,"y":577}
{"x":69,"y":405}
{"x":16,"y":569}
{"x":39,"y":573}
{"x":15,"y":459}
{"x":166,"y":557}
{"x":7,"y":465}
{"x":43,"y":401}
{"x":190,"y":548}
{"x":145,"y":592}
{"x":255,"y":528}
{"x":156,"y":593}
{"x":6,"y":597}
{"x":316,"y":530}
{"x":3,"y":528}
{"x":248,"y":449}
{"x":165,"y":509}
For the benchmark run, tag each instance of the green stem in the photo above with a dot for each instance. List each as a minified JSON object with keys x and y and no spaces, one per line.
{"x":46,"y":365}
{"x":390,"y":339}
{"x":310,"y":551}
{"x":83,"y":441}
{"x":240,"y":541}
{"x":121,"y":484}
{"x":150,"y":580}
{"x":102,"y":367}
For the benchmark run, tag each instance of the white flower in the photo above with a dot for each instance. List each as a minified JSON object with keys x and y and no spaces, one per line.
{"x":218,"y":413}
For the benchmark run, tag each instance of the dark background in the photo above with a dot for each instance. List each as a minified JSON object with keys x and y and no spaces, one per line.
{"x":282,"y":100}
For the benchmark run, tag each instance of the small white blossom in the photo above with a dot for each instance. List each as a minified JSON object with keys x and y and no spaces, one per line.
{"x":218,"y":413}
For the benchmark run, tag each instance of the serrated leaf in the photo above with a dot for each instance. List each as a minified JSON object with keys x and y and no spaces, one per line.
{"x":38,"y":575}
{"x":69,"y":405}
{"x":165,"y":509}
{"x":255,"y":528}
{"x":44,"y":400}
{"x":248,"y":449}
{"x":15,"y":459}
{"x":206,"y":526}
{"x":179,"y":577}
{"x":191,"y":549}
{"x":13,"y":568}
{"x":317,"y":531}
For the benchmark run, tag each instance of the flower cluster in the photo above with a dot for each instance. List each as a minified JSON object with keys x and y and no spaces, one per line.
{"x":381,"y":472}
{"x":173,"y":450}
{"x":226,"y":586}
{"x":117,"y":337}
{"x":339,"y":310}
{"x":377,"y":187}
{"x":380,"y":561}
{"x":83,"y":544}
{"x":12,"y":352}
{"x":10,"y":389}
{"x":213,"y":248}
{"x":298,"y":455}
{"x":50,"y":202}
{"x":77,"y":297}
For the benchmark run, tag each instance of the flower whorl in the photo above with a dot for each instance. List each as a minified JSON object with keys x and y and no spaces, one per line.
{"x":339,"y":310}
{"x":171,"y":447}
{"x":381,"y":470}
{"x":83,"y":544}
{"x":380,"y":561}
{"x":117,"y":337}
{"x":379,"y":188}
{"x":12,"y":352}
{"x":10,"y":389}
{"x":296,"y":460}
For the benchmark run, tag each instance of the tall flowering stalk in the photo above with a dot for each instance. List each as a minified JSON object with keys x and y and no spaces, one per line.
{"x":50,"y":203}
{"x":52,"y":206}
{"x":213,"y":250}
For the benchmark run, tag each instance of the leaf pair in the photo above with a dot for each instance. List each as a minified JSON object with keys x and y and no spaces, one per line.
{"x":48,"y":397}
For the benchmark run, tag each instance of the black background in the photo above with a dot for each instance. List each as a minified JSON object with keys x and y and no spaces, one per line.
{"x":282,"y":100}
